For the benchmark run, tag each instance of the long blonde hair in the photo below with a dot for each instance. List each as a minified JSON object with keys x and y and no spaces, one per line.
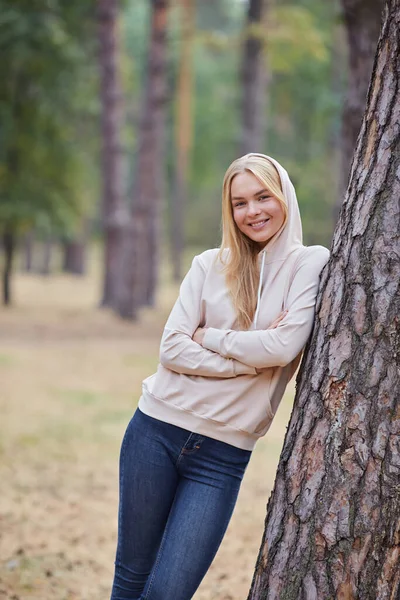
{"x":238,"y":253}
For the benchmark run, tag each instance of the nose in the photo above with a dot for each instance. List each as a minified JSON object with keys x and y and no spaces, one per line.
{"x":253,"y":208}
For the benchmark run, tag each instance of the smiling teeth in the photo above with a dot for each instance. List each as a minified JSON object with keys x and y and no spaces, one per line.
{"x":258,"y":223}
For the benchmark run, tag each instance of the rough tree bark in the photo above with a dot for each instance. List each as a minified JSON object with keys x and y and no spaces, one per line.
{"x":254,"y":80}
{"x":183,"y":136}
{"x":113,"y":208}
{"x":362,"y":20}
{"x":141,"y":242}
{"x":333,"y":522}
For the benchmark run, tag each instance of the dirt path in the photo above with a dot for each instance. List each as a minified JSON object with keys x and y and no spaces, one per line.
{"x":70,"y":378}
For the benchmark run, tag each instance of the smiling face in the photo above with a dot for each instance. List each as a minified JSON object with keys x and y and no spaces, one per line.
{"x":257,"y":213}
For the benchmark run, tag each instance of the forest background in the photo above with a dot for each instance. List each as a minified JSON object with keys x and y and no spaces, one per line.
{"x":70,"y":374}
{"x":51,"y":161}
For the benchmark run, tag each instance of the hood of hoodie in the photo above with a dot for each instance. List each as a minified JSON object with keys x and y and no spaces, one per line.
{"x":287,"y":240}
{"x":290,"y":236}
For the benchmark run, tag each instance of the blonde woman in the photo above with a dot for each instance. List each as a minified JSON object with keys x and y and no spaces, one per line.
{"x":231,"y":343}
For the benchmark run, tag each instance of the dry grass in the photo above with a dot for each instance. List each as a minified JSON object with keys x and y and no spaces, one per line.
{"x":70,"y":378}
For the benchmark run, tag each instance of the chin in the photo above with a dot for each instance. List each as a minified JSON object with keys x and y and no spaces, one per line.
{"x":261,"y":240}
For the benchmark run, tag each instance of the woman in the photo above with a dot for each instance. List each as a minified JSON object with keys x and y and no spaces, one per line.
{"x":231,"y":344}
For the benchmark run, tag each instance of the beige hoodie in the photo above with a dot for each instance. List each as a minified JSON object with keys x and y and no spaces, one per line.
{"x":230,"y":387}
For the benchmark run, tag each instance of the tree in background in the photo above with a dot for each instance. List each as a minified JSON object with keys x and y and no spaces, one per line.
{"x":114,"y":211}
{"x":47,"y":247}
{"x":42,"y":168}
{"x":362,"y":20}
{"x":9,"y":248}
{"x":75,"y":252}
{"x":61,"y":175}
{"x":183,"y":135}
{"x":300,"y":114}
{"x":28,"y":244}
{"x":75,"y":249}
{"x":140,"y":255}
{"x":304,"y":107}
{"x":254,"y":79}
{"x":332,"y":528}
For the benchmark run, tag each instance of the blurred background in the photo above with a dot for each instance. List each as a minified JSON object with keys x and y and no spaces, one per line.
{"x":118,"y":120}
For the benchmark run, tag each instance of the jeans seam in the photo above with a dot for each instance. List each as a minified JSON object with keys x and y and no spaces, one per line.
{"x":120,"y":518}
{"x":178,"y":460}
{"x":155,"y":567}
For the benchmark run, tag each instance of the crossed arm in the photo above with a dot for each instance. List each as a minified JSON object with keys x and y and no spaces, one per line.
{"x":178,"y":351}
{"x":186,"y":348}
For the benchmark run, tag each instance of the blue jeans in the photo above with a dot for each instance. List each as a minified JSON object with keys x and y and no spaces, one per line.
{"x":178,"y":490}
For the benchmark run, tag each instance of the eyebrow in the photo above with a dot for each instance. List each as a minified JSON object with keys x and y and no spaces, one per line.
{"x":256,"y":194}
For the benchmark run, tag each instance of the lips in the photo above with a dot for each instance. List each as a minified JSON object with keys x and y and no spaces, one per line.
{"x":258,"y":224}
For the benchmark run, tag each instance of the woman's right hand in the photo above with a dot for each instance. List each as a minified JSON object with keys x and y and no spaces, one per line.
{"x":278,"y":319}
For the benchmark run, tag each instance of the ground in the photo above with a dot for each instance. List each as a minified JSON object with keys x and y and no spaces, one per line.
{"x":70,"y":378}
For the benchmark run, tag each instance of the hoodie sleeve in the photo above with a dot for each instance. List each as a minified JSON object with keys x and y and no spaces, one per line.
{"x":279,"y":346}
{"x":178,"y":351}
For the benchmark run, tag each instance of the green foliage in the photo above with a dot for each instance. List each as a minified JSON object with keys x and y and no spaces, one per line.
{"x":293,"y":38}
{"x":303,"y":114}
{"x":304,"y":124}
{"x":47,"y":75}
{"x":49,"y":107}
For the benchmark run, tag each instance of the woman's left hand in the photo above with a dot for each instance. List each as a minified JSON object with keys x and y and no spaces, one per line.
{"x":199,"y":334}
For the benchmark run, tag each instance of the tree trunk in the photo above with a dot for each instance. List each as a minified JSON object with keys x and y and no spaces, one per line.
{"x":152,"y":184}
{"x":254,"y":79}
{"x":337,"y":88}
{"x":362,"y":20}
{"x":9,"y":249}
{"x":29,"y":240}
{"x":141,"y":242}
{"x":114,"y":210}
{"x":75,"y":257}
{"x":183,"y":136}
{"x":333,"y":522}
{"x":47,"y":247}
